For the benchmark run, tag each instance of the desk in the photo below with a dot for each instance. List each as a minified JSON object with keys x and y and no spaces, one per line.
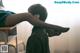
{"x":6,"y":32}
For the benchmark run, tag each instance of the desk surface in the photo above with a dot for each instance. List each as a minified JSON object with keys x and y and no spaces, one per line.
{"x":9,"y":30}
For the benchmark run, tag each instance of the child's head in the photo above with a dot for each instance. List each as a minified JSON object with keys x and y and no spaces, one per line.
{"x":38,"y":9}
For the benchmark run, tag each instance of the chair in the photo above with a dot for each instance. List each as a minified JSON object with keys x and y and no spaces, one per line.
{"x":5,"y":33}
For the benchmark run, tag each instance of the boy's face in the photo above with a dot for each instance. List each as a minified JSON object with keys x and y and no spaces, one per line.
{"x":37,"y":15}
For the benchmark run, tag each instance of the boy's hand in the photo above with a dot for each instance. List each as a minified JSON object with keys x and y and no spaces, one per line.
{"x":54,"y":32}
{"x":62,"y":29}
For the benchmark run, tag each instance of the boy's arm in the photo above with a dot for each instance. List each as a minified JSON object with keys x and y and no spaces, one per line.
{"x":42,"y":24}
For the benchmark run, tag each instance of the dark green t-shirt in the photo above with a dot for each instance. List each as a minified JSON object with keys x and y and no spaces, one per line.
{"x":3,"y":15}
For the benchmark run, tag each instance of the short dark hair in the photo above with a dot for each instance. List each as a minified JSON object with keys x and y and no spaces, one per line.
{"x":38,"y":9}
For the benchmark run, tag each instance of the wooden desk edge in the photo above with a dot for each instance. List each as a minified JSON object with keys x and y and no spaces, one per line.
{"x":7,"y":29}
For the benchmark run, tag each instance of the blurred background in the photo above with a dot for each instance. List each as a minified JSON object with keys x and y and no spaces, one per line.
{"x":67,"y":15}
